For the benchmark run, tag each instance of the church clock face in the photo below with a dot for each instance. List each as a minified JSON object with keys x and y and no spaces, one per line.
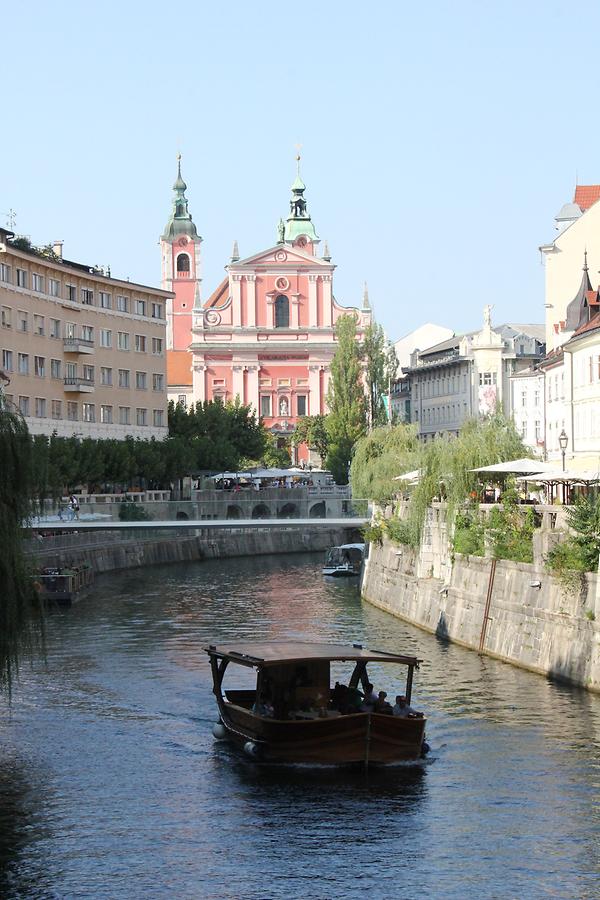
{"x":182,"y":242}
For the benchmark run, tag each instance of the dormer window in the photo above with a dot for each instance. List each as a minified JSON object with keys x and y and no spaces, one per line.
{"x":282,"y":312}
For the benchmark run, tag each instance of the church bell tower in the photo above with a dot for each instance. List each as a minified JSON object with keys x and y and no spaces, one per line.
{"x":181,"y":260}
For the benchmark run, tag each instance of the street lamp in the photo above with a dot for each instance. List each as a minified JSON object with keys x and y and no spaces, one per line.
{"x":563,"y":440}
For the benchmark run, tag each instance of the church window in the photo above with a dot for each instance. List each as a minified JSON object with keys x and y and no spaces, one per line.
{"x":265,"y":406}
{"x":183,"y":263}
{"x":301,"y":401}
{"x":282,"y":312}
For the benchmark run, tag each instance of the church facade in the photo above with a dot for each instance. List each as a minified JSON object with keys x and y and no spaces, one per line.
{"x":266,"y":334}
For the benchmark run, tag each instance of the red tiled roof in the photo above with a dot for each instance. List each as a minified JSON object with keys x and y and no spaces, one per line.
{"x":592,"y":298}
{"x":586,"y":195}
{"x":179,"y":367}
{"x":592,"y":325}
{"x":219,"y":294}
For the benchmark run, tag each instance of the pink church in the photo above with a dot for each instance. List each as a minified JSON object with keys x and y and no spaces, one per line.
{"x":266,"y":334}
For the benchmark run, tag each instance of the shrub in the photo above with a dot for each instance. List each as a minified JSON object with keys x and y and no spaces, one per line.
{"x":401,"y":532}
{"x":567,"y":563}
{"x":133,"y":512}
{"x":469,"y":534}
{"x":373,"y":534}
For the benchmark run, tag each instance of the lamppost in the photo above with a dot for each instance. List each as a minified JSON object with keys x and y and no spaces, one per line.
{"x":563,"y":440}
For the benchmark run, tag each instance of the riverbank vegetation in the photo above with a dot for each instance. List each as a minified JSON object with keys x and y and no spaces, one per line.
{"x":580,"y":551}
{"x":21,"y":621}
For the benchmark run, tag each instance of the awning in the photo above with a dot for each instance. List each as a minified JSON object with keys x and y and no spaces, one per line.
{"x":515,"y":467}
{"x":409,"y":476}
{"x":557,"y":476}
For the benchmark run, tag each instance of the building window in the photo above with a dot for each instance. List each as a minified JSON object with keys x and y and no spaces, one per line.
{"x":38,"y":325}
{"x":158,"y":417}
{"x":105,"y":337}
{"x":72,"y":296}
{"x":55,"y":328}
{"x":124,"y":415}
{"x":54,"y":290}
{"x":106,"y":415}
{"x":72,"y":411}
{"x":70,"y":329}
{"x":284,"y":382}
{"x":301,"y":404}
{"x":37,"y":282}
{"x":88,"y":373}
{"x":140,"y":381}
{"x":122,"y":303}
{"x":39,"y":366}
{"x":7,"y":360}
{"x":123,"y":340}
{"x":24,"y":406}
{"x":524,"y":430}
{"x":4,"y":272}
{"x":57,"y":409}
{"x":157,"y":311}
{"x":40,"y":408}
{"x":87,"y":298}
{"x":182,"y":399}
{"x":105,"y":301}
{"x":265,"y":382}
{"x":88,"y":412}
{"x":6,"y":317}
{"x":523,"y":398}
{"x":105,"y":375}
{"x":487,"y":378}
{"x":282,"y":312}
{"x":265,"y":406}
{"x":538,"y":430}
{"x":23,"y":320}
{"x":87,"y":333}
{"x":183,"y":262}
{"x":158,"y":383}
{"x":157,"y":346}
{"x":140,"y":343}
{"x":123,"y":378}
{"x":23,"y":363}
{"x":21,"y":278}
{"x":140,"y":307}
{"x":140,"y":416}
{"x":71,"y":372}
{"x":536,"y":398}
{"x":55,"y":368}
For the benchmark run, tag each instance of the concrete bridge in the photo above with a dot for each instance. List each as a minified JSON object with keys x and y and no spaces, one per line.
{"x":199,"y":525}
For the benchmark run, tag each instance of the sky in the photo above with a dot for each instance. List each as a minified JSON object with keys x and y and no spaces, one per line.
{"x":438,"y":140}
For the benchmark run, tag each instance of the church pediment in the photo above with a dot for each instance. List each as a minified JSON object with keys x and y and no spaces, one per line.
{"x":280,"y":255}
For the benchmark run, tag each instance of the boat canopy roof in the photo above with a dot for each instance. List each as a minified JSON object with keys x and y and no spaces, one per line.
{"x":273,"y":653}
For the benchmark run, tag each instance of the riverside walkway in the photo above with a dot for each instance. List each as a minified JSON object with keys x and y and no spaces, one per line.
{"x":198,"y":524}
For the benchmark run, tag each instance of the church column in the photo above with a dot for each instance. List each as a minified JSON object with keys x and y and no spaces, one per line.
{"x":314,"y":389}
{"x":236,"y":300}
{"x":327,"y":300}
{"x":238,"y":382}
{"x":251,"y":300}
{"x":270,"y":298}
{"x":199,"y":382}
{"x":252,"y":387}
{"x":312,"y":301}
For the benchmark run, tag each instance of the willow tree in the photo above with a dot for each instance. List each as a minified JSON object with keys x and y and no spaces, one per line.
{"x":346,"y":421}
{"x":381,"y":456}
{"x":20,"y":606}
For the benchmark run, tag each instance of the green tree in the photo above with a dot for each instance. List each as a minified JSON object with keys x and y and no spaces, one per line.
{"x":381,"y":365}
{"x":346,"y":421}
{"x":20,"y":607}
{"x":381,"y":456}
{"x":312,"y":431}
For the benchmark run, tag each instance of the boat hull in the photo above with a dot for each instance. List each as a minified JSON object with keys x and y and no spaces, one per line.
{"x":365,"y":738}
{"x":333,"y":572}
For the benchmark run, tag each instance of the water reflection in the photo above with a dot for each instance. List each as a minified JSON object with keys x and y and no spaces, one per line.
{"x":111,"y":784}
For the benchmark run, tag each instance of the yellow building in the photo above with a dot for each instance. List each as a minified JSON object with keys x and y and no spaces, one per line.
{"x":81,"y":353}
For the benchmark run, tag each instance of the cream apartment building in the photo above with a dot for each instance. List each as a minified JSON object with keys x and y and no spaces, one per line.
{"x":85,"y":354}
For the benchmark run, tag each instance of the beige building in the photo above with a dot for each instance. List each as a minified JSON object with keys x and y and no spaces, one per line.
{"x":84,"y":353}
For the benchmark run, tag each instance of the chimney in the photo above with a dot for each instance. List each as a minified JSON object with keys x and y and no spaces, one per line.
{"x":57,"y":246}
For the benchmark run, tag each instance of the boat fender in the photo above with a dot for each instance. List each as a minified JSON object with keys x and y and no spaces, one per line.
{"x":425,"y":748}
{"x":251,"y":749}
{"x":219,"y":731}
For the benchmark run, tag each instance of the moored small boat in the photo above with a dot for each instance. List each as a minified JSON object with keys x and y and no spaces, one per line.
{"x":293,"y":714}
{"x":344,"y":561}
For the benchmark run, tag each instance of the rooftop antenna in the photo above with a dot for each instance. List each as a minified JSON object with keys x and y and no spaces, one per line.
{"x":11,"y":219}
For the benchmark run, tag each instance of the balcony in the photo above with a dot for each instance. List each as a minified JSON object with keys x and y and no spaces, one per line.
{"x":77,"y":384}
{"x":77,"y":345}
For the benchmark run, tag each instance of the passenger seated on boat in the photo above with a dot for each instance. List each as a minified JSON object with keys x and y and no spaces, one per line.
{"x":263,"y":708}
{"x":369,"y":700}
{"x":381,"y":704}
{"x":402,"y":708}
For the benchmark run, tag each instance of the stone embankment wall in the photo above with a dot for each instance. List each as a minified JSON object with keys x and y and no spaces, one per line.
{"x":530,"y":621}
{"x":105,"y":552}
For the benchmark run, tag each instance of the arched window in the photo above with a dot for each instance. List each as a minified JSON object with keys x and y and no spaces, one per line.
{"x":282,"y":312}
{"x":183,"y":263}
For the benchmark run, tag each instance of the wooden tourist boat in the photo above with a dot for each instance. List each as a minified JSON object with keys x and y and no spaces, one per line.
{"x":344,"y":561}
{"x":293,"y":714}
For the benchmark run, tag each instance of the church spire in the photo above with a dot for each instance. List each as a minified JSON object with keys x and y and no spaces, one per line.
{"x":366,"y":304}
{"x":180,"y":220}
{"x":299,"y":222}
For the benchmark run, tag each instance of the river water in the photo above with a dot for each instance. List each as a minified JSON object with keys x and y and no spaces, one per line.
{"x":112,"y":786}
